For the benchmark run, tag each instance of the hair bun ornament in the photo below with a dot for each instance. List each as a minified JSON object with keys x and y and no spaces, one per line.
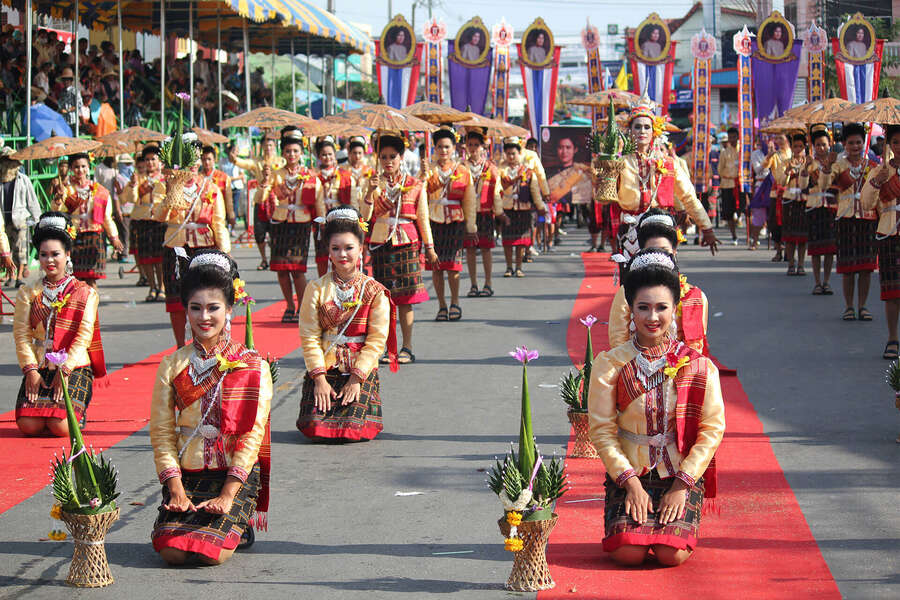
{"x":666,"y":220}
{"x":53,"y":223}
{"x":650,"y":259}
{"x":344,"y":214}
{"x":211,"y":258}
{"x":513,"y":140}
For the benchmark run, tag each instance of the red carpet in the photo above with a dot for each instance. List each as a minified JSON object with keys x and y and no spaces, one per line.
{"x":757,"y":546}
{"x":116,"y":411}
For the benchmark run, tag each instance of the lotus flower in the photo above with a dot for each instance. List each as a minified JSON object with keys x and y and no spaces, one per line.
{"x":57,"y":358}
{"x":95,"y":502}
{"x":183,"y":96}
{"x":524,"y":355}
{"x":588,"y":321}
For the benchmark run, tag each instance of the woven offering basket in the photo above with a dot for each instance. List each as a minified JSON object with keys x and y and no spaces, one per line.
{"x":606,"y":178}
{"x":530,"y":571}
{"x":175,"y":180}
{"x":583,"y":448}
{"x":89,"y":567}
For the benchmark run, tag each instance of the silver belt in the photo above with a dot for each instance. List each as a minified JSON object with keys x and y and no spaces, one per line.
{"x":340,"y":340}
{"x":660,"y":440}
{"x":398,"y":221}
{"x":445,"y":202}
{"x":209,"y":432}
{"x":195,"y":226}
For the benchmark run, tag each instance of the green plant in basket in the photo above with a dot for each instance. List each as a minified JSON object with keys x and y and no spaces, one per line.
{"x":613,"y":143}
{"x":179,"y":151}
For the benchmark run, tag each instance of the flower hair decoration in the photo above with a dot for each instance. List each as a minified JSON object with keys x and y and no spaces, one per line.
{"x":651,"y":258}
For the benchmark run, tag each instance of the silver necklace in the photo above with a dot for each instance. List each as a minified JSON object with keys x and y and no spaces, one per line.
{"x":51,"y":291}
{"x":649,"y":371}
{"x":344,"y":291}
{"x":201,"y":368}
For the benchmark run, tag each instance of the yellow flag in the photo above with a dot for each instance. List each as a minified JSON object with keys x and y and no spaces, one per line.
{"x":622,"y":79}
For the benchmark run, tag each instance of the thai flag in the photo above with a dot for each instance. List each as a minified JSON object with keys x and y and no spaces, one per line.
{"x":540,"y":91}
{"x":859,"y":82}
{"x":652,"y":79}
{"x":398,"y":85}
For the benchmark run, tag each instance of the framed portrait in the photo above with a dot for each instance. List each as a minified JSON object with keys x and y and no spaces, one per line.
{"x":398,"y":42}
{"x":567,"y":160}
{"x":652,"y":40}
{"x":537,"y":45}
{"x":775,"y":38}
{"x":857,"y":39}
{"x":472,"y":43}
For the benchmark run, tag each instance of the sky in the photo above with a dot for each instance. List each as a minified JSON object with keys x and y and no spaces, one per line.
{"x":564,"y":17}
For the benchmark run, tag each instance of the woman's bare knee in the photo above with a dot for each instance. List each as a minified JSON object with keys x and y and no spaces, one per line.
{"x":629,"y":555}
{"x":31,"y":425}
{"x":173,"y":556}
{"x":669,"y":556}
{"x":58,"y":427}
{"x":223,"y":556}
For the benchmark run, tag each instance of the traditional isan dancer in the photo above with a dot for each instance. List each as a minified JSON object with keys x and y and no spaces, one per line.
{"x":147,"y":233}
{"x":208,"y":157}
{"x":821,"y":204}
{"x":486,"y":180}
{"x":656,"y":418}
{"x":57,"y":314}
{"x":794,"y":224}
{"x":338,"y":189}
{"x":520,"y":191}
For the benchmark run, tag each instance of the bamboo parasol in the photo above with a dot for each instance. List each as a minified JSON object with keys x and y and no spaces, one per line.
{"x":134,"y":134}
{"x":495,"y":127}
{"x":208,"y":137}
{"x":783,"y":125}
{"x":267,"y":117}
{"x":381,"y":116}
{"x":885,"y":111}
{"x":54,"y":147}
{"x":620,"y":98}
{"x":327,"y":126}
{"x":114,"y":148}
{"x":818,"y":112}
{"x":436,"y":113}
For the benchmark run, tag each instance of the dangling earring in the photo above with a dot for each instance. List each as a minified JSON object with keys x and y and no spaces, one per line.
{"x":70,"y":268}
{"x":228,"y":326}
{"x":631,"y":326}
{"x":188,"y":334}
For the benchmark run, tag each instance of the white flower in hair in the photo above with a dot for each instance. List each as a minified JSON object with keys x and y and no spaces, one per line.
{"x":651,"y":258}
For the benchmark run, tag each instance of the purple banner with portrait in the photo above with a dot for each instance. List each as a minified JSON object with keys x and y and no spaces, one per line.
{"x":774,"y":79}
{"x":469,"y":83}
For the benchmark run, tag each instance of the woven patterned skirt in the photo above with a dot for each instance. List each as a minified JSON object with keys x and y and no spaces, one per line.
{"x":796,"y":224}
{"x":89,"y":256}
{"x":448,"y":244}
{"x":80,"y":386}
{"x":889,"y":267}
{"x":150,"y":242}
{"x":622,"y":530}
{"x":290,"y":246}
{"x":134,"y":235}
{"x":518,"y":231}
{"x":821,"y":232}
{"x":354,"y":422}
{"x":399,"y":269}
{"x":856,"y":247}
{"x":171,"y":283}
{"x":485,"y":222}
{"x":202,"y":532}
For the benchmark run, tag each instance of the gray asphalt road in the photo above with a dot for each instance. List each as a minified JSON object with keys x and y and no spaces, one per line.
{"x":337,"y":527}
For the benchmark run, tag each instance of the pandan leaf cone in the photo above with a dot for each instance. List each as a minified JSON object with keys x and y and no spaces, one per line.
{"x":569,"y":389}
{"x":527,"y":453}
{"x":83,"y":467}
{"x":610,"y":142}
{"x":893,"y":375}
{"x":586,"y":371}
{"x":248,"y":328}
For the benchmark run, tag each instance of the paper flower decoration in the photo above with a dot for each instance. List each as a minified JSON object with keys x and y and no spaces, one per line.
{"x":58,"y":304}
{"x":95,"y":502}
{"x":524,"y":355}
{"x":57,"y":358}
{"x":229,"y":363}
{"x":588,"y":321}
{"x":73,"y":233}
{"x":514,"y":518}
{"x":56,"y":511}
{"x":239,"y":292}
{"x":364,"y":226}
{"x":675,"y":365}
{"x":514,"y":544}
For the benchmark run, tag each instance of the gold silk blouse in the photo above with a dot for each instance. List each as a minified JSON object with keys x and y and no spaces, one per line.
{"x":437,"y":199}
{"x":30,"y":341}
{"x":316,"y":341}
{"x":382,"y":227}
{"x":83,"y":220}
{"x":144,"y":203}
{"x":728,"y":167}
{"x":620,"y":319}
{"x":255,"y":165}
{"x":624,"y":457}
{"x":849,"y":203}
{"x":531,"y":160}
{"x":171,"y":428}
{"x":887,"y":211}
{"x":818,"y":194}
{"x":291,"y":208}
{"x":195,"y":235}
{"x":487,"y":177}
{"x":509,"y":194}
{"x":794,"y":178}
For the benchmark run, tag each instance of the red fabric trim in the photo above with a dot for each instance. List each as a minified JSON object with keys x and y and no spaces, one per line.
{"x":868,"y":267}
{"x":690,"y":385}
{"x":518,"y":242}
{"x":891,"y":295}
{"x":445,"y":266}
{"x":240,"y":394}
{"x":46,"y":413}
{"x":392,"y":334}
{"x":190,"y":544}
{"x":638,"y":539}
{"x":73,"y":312}
{"x":692,"y":316}
{"x":417,"y":298}
{"x":287,"y":267}
{"x":320,"y":430}
{"x":832,"y":249}
{"x":795,"y":239}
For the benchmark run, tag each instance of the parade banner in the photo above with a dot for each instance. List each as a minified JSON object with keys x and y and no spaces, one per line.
{"x":399,"y":58}
{"x":775,"y":58}
{"x":703,"y":48}
{"x":539,"y":61}
{"x":857,"y":57}
{"x":816,"y":44}
{"x":502,"y":37}
{"x":590,"y":39}
{"x":651,"y":52}
{"x":744,"y":48}
{"x":434,"y":33}
{"x":469,"y":59}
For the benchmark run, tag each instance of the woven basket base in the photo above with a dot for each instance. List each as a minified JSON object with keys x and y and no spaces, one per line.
{"x":530,"y":571}
{"x":606,"y":179}
{"x":175,"y":181}
{"x":89,"y":567}
{"x":582,"y":448}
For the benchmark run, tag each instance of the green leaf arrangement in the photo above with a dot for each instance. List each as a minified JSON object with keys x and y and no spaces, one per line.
{"x":175,"y":153}
{"x":569,"y":389}
{"x":892,"y":375}
{"x":613,"y":143}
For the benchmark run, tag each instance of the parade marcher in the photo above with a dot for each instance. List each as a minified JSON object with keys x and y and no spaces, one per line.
{"x":452,"y":207}
{"x":794,"y":224}
{"x":820,"y":210}
{"x":90,"y":206}
{"x":486,"y":180}
{"x":337,"y":190}
{"x":855,"y":226}
{"x":297,"y":197}
{"x":56,"y":314}
{"x":777,"y":162}
{"x":656,"y":418}
{"x":521,"y":194}
{"x":729,"y":186}
{"x":261,"y":220}
{"x":657,"y":229}
{"x":762,"y":184}
{"x":399,"y":230}
{"x":346,"y":323}
{"x":147,"y":233}
{"x":209,"y":426}
{"x":882,"y":193}
{"x":208,"y":156}
{"x":360,"y":169}
{"x":193,"y":224}
{"x":20,"y":205}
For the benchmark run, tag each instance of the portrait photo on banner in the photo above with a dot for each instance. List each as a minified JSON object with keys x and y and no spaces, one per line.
{"x":857,"y":39}
{"x":652,"y":39}
{"x":472,"y":43}
{"x":776,"y":38}
{"x":397,"y":43}
{"x":538,"y":45}
{"x":566,"y":159}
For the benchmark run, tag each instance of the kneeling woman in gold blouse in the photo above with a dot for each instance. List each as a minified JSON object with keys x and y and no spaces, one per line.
{"x":656,"y":417}
{"x":346,"y":321}
{"x":208,"y":425}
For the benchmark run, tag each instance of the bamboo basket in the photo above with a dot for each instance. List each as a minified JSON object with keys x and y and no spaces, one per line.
{"x":606,"y":179}
{"x":583,"y":448}
{"x":530,"y":571}
{"x":175,"y":180}
{"x":89,"y":566}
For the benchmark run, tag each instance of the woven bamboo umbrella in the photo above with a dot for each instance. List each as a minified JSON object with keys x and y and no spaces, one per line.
{"x":436,"y":113}
{"x":620,"y":98}
{"x":114,"y":148}
{"x":328,"y":126}
{"x":208,"y":137}
{"x":783,"y":125}
{"x":495,"y":127}
{"x":381,"y":116}
{"x":885,"y":111}
{"x":267,"y":117}
{"x":133,"y":134}
{"x":54,"y":147}
{"x":818,"y":112}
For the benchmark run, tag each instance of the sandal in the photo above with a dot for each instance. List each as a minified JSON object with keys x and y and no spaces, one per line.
{"x":455,"y":313}
{"x":262,"y":266}
{"x":508,"y":272}
{"x":826,"y":290}
{"x":520,"y":273}
{"x":891,"y":350}
{"x":486,"y":292}
{"x":864,"y":314}
{"x":801,"y":272}
{"x":777,"y":257}
{"x":288,"y":316}
{"x":441,"y":315}
{"x":247,"y":538}
{"x":405,"y":356}
{"x":160,"y":296}
{"x":818,"y":290}
{"x":792,"y":270}
{"x":384,"y":359}
{"x":473,"y":292}
{"x":151,"y":296}
{"x":849,"y":315}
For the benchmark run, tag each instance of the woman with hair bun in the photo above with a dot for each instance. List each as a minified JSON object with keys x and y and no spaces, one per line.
{"x":209,"y":425}
{"x":338,"y":189}
{"x":58,"y":313}
{"x":346,"y":322}
{"x":656,"y":418}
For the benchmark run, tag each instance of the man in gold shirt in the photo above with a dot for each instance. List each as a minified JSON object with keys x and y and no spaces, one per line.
{"x":733,"y":204}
